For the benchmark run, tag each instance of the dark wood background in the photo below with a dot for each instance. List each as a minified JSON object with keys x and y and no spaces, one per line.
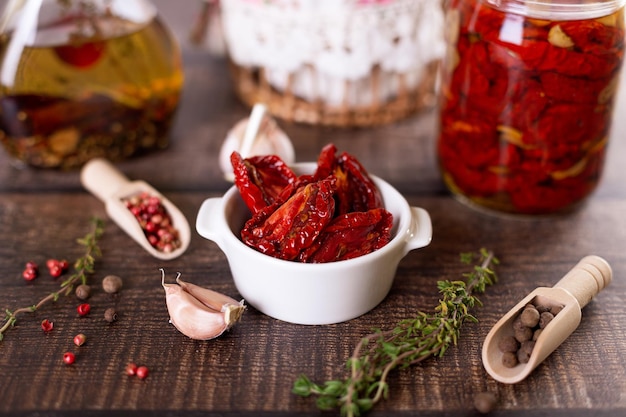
{"x":251,"y":369}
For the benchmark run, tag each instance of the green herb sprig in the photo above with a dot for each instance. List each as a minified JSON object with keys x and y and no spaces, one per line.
{"x":410,"y":342}
{"x":84,"y":266}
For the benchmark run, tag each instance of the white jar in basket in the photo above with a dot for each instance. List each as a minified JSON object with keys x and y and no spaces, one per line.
{"x":335,"y":62}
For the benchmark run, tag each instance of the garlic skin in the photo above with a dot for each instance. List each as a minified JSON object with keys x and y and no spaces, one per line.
{"x":200,"y":313}
{"x":271,"y":140}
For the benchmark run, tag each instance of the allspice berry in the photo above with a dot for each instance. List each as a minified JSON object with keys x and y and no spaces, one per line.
{"x":111,"y":284}
{"x":508,"y":344}
{"x":82,"y":291}
{"x":110,"y":315}
{"x":523,"y":334}
{"x":509,"y":359}
{"x":546,"y":318}
{"x":485,"y":402}
{"x":530,"y":317}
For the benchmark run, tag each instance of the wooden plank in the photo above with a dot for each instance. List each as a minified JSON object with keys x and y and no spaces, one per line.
{"x":252,"y":368}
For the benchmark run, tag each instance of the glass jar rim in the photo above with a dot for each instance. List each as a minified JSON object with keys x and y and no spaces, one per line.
{"x":559,"y":9}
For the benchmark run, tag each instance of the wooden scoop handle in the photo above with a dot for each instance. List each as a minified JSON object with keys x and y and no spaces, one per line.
{"x":587,"y":279}
{"x":102,"y":178}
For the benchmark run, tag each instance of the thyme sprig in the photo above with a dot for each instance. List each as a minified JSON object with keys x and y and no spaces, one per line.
{"x":84,"y":266}
{"x":410,"y":342}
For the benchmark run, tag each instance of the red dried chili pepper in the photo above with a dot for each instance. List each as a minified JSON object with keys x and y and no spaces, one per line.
{"x":284,"y":231}
{"x":349,"y":236}
{"x":260,"y":179}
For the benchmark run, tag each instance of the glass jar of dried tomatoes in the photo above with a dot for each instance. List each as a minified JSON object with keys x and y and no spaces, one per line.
{"x":527,"y":98}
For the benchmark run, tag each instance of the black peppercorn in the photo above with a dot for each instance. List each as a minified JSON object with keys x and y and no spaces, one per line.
{"x":546,"y":317}
{"x":485,"y":402}
{"x":509,"y":359}
{"x":111,"y":284}
{"x":523,"y":334}
{"x":82,"y":291}
{"x":556,"y":310}
{"x":530,"y":317}
{"x":110,"y":315}
{"x":508,"y":344}
{"x":523,"y":356}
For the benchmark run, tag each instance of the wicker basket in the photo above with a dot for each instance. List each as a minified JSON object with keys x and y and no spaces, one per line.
{"x":359,"y":64}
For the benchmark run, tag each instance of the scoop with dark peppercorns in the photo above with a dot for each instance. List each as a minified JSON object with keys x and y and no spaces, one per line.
{"x":526,"y":329}
{"x":541,"y":321}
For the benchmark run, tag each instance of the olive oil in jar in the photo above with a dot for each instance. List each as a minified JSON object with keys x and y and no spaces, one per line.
{"x":90,"y":85}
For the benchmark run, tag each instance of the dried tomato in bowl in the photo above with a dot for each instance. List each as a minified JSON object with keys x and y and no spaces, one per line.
{"x":333,"y":214}
{"x":527,"y":101}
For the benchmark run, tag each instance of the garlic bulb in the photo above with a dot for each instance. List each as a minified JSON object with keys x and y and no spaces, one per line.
{"x":263,"y":138}
{"x":200,"y":313}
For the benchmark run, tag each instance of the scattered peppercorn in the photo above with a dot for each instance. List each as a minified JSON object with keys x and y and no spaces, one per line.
{"x":31,"y":271}
{"x":80,"y":339}
{"x":485,"y":402}
{"x":527,"y":328}
{"x":47,"y":325}
{"x":131,"y":369}
{"x":142,"y":372}
{"x":69,"y":358}
{"x":110,"y":315}
{"x":83,"y":291}
{"x":112,"y":284}
{"x":56,"y":267}
{"x":83,"y":309}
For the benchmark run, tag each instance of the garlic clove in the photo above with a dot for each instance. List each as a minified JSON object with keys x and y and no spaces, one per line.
{"x":270,"y":140}
{"x":191,"y":317}
{"x":213,"y":299}
{"x":196,"y":319}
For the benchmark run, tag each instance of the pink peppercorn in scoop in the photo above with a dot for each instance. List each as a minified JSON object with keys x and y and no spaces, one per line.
{"x":139,"y":209}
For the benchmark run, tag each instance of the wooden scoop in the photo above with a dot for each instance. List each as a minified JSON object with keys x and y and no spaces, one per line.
{"x":107,"y":183}
{"x":572,"y":292}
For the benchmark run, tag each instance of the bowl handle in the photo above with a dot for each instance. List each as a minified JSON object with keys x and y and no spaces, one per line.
{"x":208,"y":220}
{"x":421,"y":231}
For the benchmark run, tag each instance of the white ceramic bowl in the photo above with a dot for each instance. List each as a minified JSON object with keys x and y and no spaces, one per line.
{"x":313,"y":293}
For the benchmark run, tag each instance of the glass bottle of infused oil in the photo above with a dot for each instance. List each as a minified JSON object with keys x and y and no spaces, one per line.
{"x":85,"y":78}
{"x":528,"y":93}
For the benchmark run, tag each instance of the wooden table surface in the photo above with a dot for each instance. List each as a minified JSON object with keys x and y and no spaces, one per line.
{"x":250,"y":370}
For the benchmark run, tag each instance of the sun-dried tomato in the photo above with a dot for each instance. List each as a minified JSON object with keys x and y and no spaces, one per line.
{"x":326,"y":162}
{"x":260,"y":179}
{"x":356,"y":191}
{"x":332,"y":214}
{"x":527,"y":107}
{"x":350,"y":235}
{"x":284,"y":231}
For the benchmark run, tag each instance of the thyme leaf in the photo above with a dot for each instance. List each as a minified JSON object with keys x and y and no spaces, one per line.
{"x":412,"y":341}
{"x":83,"y":266}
